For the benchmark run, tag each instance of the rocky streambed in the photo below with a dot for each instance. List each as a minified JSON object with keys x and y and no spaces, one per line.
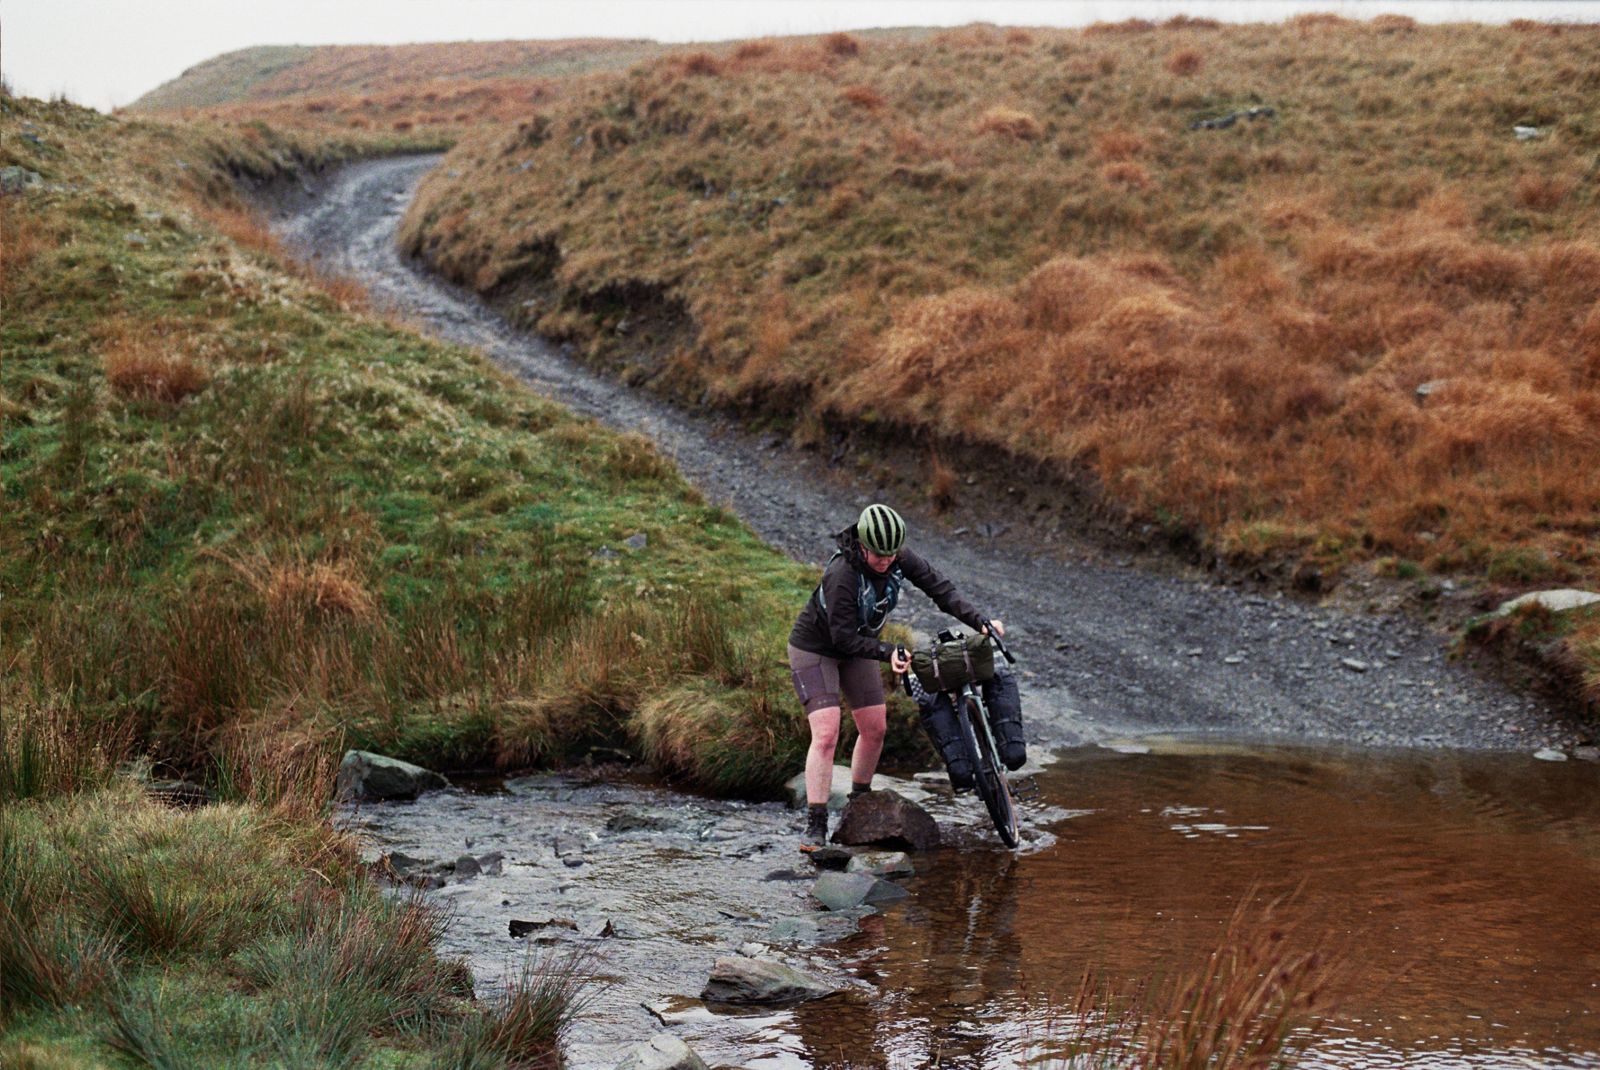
{"x":1456,"y":886}
{"x":652,"y":888}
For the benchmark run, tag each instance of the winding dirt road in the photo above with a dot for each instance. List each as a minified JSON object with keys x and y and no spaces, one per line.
{"x":1108,"y":651}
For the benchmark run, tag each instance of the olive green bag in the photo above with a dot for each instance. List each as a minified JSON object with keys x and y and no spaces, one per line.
{"x":952,"y":663}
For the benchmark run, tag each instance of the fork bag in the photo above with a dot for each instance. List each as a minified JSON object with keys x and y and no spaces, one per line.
{"x":1005,"y":718}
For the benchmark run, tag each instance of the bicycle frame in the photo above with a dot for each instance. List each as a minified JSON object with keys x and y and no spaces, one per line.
{"x":989,"y":774}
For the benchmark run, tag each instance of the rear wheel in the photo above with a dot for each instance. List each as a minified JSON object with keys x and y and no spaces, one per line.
{"x":989,"y":773}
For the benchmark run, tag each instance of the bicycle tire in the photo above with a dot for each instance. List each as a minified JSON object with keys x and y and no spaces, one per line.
{"x":988,"y":772}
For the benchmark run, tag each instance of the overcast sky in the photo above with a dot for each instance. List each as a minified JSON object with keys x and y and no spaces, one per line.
{"x":105,"y":53}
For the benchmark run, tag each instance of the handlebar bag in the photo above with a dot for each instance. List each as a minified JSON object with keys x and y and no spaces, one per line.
{"x":951,"y":664}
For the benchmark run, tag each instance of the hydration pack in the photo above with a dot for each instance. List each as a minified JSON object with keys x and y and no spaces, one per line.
{"x":872,"y":611}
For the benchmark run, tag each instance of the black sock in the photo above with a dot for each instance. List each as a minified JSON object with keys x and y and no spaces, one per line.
{"x":858,"y":788}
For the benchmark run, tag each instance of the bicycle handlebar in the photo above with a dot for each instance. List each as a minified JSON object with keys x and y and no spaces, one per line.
{"x":998,"y":645}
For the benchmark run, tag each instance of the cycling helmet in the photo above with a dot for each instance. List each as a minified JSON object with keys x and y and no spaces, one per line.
{"x":881,"y":530}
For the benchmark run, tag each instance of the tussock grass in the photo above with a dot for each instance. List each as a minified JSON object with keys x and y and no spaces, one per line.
{"x":203,"y":938}
{"x":524,"y":1023}
{"x":1021,"y":241}
{"x":1257,"y":1001}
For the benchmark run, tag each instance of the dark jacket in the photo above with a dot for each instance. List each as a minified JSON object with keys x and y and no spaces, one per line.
{"x":831,"y":623}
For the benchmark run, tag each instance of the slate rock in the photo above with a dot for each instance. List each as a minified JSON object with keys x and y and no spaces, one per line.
{"x":638,"y":821}
{"x":846,"y":891}
{"x":884,"y":817}
{"x":787,"y":875}
{"x":662,"y":1052}
{"x":1556,"y":601}
{"x":520,"y":928}
{"x":831,"y":857}
{"x":367,"y":777}
{"x":17,"y":179}
{"x":881,"y":864}
{"x":181,"y":793}
{"x":840,"y":796}
{"x":816,"y":928}
{"x":737,"y":979}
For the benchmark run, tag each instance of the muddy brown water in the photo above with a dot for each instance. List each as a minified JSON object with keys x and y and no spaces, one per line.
{"x":1458,"y":888}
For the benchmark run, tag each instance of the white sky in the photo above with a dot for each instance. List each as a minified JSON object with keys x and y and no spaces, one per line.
{"x":106,"y":53}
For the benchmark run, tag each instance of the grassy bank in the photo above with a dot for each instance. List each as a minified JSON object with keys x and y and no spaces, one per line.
{"x":244,"y":508}
{"x":232,"y":936}
{"x":249,"y":523}
{"x":1353,"y":328}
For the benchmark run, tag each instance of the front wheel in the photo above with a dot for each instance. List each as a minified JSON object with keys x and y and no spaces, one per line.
{"x":989,"y":773}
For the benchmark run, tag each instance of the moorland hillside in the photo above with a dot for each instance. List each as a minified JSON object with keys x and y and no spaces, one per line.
{"x":1323,"y":291}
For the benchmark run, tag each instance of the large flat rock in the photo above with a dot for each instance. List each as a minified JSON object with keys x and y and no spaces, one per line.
{"x":367,"y":777}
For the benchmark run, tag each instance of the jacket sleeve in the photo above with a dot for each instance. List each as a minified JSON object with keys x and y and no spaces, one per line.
{"x":941,"y":590}
{"x":844,"y":616}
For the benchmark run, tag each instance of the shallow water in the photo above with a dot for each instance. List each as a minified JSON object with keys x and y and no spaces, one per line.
{"x":1460,"y":890}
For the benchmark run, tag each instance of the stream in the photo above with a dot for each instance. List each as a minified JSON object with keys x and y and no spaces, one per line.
{"x":1204,"y":747}
{"x":1456,"y":889}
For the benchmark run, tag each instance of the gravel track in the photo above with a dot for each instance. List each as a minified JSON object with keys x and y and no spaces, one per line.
{"x":1108,"y":650}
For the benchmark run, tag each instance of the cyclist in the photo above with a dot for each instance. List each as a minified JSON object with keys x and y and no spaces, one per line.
{"x":834,"y":648}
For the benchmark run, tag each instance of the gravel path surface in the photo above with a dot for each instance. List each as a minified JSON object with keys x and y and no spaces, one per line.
{"x":1108,"y":650}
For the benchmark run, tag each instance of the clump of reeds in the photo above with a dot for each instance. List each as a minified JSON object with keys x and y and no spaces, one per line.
{"x":524,"y":1023}
{"x":1256,"y":1002}
{"x":147,"y":361}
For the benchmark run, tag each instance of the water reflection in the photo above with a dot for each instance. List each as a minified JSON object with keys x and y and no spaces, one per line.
{"x":1462,"y":888}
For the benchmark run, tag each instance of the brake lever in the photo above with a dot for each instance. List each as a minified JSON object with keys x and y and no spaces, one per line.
{"x":995,"y":639}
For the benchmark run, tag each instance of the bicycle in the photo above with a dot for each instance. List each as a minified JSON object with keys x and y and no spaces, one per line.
{"x":989,"y":773}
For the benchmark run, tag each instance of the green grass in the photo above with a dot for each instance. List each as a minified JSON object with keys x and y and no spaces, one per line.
{"x":238,"y":501}
{"x":226,"y":938}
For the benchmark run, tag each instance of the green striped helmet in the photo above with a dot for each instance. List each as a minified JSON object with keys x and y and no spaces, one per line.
{"x":881,"y":530}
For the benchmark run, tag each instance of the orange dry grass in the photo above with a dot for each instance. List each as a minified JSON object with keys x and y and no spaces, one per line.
{"x":1254,"y":398}
{"x":246,"y":228}
{"x":841,"y":44}
{"x":1118,"y":145}
{"x":1185,"y":62}
{"x":296,"y":587}
{"x":1011,"y":123}
{"x":21,"y":239}
{"x":375,"y":70}
{"x":150,"y":361}
{"x":1225,"y":326}
{"x":1544,"y":193}
{"x":863,"y":96}
{"x":444,"y":105}
{"x":1125,"y":174}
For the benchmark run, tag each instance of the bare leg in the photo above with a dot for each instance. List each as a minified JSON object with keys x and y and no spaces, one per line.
{"x":819,"y":759}
{"x":870,"y":726}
